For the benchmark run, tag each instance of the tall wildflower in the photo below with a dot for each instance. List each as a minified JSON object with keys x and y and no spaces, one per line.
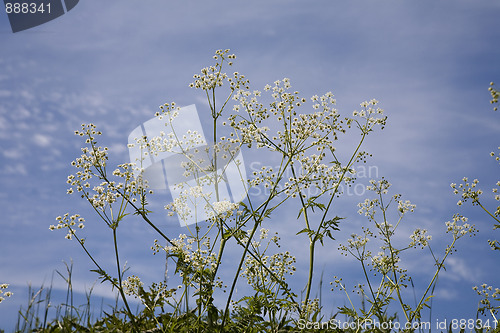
{"x":4,"y":294}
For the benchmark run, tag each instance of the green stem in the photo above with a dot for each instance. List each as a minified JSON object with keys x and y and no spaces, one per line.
{"x":223,"y":242}
{"x":375,"y":306}
{"x":311,"y":269}
{"x":140,"y":212}
{"x":263,"y":206}
{"x":312,"y":241}
{"x":233,"y":285}
{"x":341,"y":179}
{"x":120,"y":288}
{"x":487,"y":211}
{"x":105,"y":275}
{"x":440,"y":265}
{"x":387,"y":234}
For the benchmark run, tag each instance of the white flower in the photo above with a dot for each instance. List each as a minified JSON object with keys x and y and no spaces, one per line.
{"x":196,"y":191}
{"x":221,"y":207}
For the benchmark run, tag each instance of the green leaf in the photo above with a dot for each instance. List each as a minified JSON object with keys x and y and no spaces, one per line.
{"x":308,"y":231}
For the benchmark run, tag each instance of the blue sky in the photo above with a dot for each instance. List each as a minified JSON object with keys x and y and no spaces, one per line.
{"x":112,"y":63}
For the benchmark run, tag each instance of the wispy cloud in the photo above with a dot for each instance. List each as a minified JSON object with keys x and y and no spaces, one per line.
{"x":15,"y":169}
{"x":41,"y":140}
{"x":12,"y":153}
{"x":460,"y":269}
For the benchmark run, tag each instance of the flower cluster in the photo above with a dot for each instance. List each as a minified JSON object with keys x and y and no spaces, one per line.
{"x":357,"y":241}
{"x":95,"y":156}
{"x":278,"y":265}
{"x":405,"y":206}
{"x":459,"y":227}
{"x":181,"y":204}
{"x":467,"y":191}
{"x":5,"y":294}
{"x":368,"y":208}
{"x":170,"y":110}
{"x":281,"y":264}
{"x":132,"y":285}
{"x":385,"y":229}
{"x":69,"y":222}
{"x":379,"y":187}
{"x":356,"y":245}
{"x":319,"y":176}
{"x":249,"y":129}
{"x":212,"y":77}
{"x":173,"y":142}
{"x":489,"y":295}
{"x":264,"y":176}
{"x":318,"y":128}
{"x":497,"y":157}
{"x":385,"y":263}
{"x":338,"y":283}
{"x":310,"y":307}
{"x":92,"y":164}
{"x":495,"y":94}
{"x":495,"y":190}
{"x":157,"y":295}
{"x":223,"y":208}
{"x":132,"y":188}
{"x":419,"y":237}
{"x":188,"y":200}
{"x":193,"y":258}
{"x":368,"y":112}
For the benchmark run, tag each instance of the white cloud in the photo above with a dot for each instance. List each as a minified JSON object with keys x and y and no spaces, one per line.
{"x":26,"y":95}
{"x":41,"y":140}
{"x":12,"y":153}
{"x":447,"y":294}
{"x":5,"y":93}
{"x":15,"y":169}
{"x":21,"y":113}
{"x":458,"y":269}
{"x":117,"y":148}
